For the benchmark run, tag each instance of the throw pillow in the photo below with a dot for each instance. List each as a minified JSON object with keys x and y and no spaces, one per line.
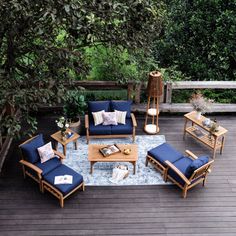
{"x":109,"y":118}
{"x":46,"y":152}
{"x":97,"y":117}
{"x":121,"y":116}
{"x":196,"y":164}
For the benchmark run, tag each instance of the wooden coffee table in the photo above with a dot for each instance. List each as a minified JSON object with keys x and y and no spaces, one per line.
{"x":94,"y":155}
{"x":57,"y":137}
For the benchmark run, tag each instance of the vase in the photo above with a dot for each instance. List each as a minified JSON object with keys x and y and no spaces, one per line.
{"x":198,"y":115}
{"x":63,"y":135}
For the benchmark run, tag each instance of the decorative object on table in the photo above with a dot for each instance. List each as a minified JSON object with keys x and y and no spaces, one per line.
{"x":74,"y":107}
{"x":155,"y":91}
{"x":119,"y":173}
{"x":214,"y":127}
{"x":206,"y":122}
{"x":200,"y":104}
{"x":63,"y":124}
{"x":109,"y":150}
{"x":127,"y":151}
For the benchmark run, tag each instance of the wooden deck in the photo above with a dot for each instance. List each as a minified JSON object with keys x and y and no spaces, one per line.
{"x":132,"y":210}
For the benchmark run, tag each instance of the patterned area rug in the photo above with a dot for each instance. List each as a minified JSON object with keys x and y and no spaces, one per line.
{"x":77,"y":160}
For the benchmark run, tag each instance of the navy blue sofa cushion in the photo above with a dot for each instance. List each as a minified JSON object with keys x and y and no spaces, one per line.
{"x":165,"y":152}
{"x":202,"y":160}
{"x":95,"y":106}
{"x":122,"y":106}
{"x":30,"y":151}
{"x":181,"y":164}
{"x":98,"y":129}
{"x":49,"y":165}
{"x":123,"y":129}
{"x":64,"y":170}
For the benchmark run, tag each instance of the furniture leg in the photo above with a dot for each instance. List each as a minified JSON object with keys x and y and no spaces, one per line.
{"x":222,"y":144}
{"x":185,"y":125}
{"x":214,"y":148}
{"x":146,"y":163}
{"x":56,"y":146}
{"x":64,"y":149}
{"x":91,"y":166}
{"x":134,"y":167}
{"x":75,"y":144}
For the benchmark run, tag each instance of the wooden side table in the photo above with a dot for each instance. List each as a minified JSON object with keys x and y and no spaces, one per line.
{"x":57,"y":137}
{"x":203,"y":134}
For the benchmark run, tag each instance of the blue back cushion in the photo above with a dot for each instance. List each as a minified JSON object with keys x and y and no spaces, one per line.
{"x":122,"y":106}
{"x":95,"y":106}
{"x":196,"y":164}
{"x":30,"y":151}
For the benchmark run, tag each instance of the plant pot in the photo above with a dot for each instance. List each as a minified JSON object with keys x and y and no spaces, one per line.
{"x":198,"y":115}
{"x":75,"y":126}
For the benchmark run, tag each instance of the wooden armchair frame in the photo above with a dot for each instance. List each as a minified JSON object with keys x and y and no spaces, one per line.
{"x":25,"y":164}
{"x":198,"y":176}
{"x":88,"y":136}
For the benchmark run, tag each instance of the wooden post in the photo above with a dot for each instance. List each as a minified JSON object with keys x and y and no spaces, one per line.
{"x":168,"y":92}
{"x":130,"y":89}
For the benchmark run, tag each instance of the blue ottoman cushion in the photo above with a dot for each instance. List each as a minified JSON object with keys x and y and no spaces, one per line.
{"x":165,"y":152}
{"x":49,"y":165}
{"x":123,"y":129}
{"x":64,"y":170}
{"x":122,"y":106}
{"x":181,"y":164}
{"x":202,"y":160}
{"x":30,"y":151}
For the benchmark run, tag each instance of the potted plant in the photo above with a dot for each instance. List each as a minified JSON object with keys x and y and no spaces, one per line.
{"x":74,"y":107}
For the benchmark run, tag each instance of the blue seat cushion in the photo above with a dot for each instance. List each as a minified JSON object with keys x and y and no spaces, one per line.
{"x":181,"y":164}
{"x":165,"y":152}
{"x":123,"y":129}
{"x":95,"y":106}
{"x":30,"y":151}
{"x":122,"y":106}
{"x":49,"y":165}
{"x":98,"y":129}
{"x":64,"y":170}
{"x":196,"y":164}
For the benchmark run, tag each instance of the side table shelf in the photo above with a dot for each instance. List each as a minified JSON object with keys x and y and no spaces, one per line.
{"x":214,"y":141}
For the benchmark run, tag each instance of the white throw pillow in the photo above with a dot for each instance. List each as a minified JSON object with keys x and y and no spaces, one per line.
{"x":121,"y":116}
{"x":97,"y":117}
{"x":46,"y":152}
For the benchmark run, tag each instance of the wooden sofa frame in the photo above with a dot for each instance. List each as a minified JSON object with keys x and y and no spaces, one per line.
{"x":88,"y":136}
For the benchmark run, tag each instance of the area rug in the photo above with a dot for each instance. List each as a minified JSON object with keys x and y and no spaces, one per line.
{"x":102,"y":173}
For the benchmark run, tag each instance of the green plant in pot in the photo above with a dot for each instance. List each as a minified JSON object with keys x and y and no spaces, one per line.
{"x":74,"y":107}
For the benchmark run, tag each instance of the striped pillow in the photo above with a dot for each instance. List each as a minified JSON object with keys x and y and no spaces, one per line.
{"x":121,"y":116}
{"x":97,"y":117}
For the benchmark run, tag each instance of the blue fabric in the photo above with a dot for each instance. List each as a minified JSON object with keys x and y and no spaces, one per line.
{"x":64,"y":170}
{"x":122,"y":106}
{"x":95,"y":106}
{"x":49,"y":165}
{"x":181,"y":164}
{"x":123,"y":129}
{"x":98,"y":129}
{"x":30,"y":151}
{"x":196,"y":164}
{"x":165,"y":152}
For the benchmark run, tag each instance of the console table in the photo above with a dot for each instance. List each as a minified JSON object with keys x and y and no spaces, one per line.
{"x":213,"y":140}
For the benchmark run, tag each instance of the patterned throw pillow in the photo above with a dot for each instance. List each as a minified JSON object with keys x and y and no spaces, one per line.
{"x":121,"y":116}
{"x":109,"y":118}
{"x":97,"y":117}
{"x":46,"y":152}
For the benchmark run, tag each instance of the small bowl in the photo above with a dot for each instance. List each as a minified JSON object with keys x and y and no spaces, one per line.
{"x":127,"y":151}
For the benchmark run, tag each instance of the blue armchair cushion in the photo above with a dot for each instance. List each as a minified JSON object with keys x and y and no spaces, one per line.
{"x":98,"y":129}
{"x":95,"y":106}
{"x":122,"y":106}
{"x":30,"y":151}
{"x":181,"y":164}
{"x":165,"y":152}
{"x":49,"y":165}
{"x":64,"y":170}
{"x":123,"y":129}
{"x":196,"y":164}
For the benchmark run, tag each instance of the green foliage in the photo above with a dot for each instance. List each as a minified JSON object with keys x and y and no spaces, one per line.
{"x":74,"y":105}
{"x":99,"y":95}
{"x":199,"y":38}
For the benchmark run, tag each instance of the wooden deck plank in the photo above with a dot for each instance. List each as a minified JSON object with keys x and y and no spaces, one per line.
{"x":154,"y":210}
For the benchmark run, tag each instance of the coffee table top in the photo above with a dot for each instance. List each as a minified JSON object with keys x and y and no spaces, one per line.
{"x":95,"y":155}
{"x":57,"y":137}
